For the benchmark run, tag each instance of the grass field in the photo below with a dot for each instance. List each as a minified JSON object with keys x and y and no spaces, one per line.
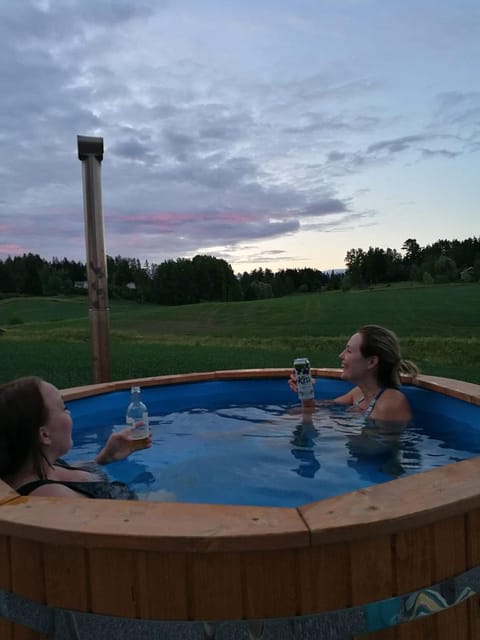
{"x":439,"y":328}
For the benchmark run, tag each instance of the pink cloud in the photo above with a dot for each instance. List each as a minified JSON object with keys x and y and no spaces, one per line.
{"x":13,"y":250}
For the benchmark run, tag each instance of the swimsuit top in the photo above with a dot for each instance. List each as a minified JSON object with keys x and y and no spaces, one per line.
{"x":372,"y":403}
{"x":103,"y":488}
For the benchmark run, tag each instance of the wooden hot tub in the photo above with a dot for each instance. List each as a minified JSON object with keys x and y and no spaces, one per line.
{"x":187,"y":562}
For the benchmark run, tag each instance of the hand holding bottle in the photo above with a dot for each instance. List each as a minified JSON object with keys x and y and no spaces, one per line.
{"x":137,"y":418}
{"x":120,"y":445}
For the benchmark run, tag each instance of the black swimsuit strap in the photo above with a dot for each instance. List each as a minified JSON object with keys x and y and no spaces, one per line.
{"x":373,"y":402}
{"x":26,"y":489}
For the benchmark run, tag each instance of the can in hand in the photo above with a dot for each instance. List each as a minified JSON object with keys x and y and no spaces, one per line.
{"x":304,"y":379}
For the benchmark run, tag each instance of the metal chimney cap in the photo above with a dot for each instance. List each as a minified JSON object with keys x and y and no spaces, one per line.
{"x":88,"y":146}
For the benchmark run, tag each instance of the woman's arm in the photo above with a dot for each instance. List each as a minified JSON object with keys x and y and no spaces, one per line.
{"x":120,"y":445}
{"x":346,"y":398}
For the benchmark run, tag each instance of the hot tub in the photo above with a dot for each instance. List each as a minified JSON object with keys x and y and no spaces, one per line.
{"x":355,"y":564}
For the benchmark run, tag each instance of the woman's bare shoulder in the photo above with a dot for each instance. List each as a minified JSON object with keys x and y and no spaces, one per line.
{"x":392,"y":405}
{"x":56,"y":490}
{"x":394,"y":395}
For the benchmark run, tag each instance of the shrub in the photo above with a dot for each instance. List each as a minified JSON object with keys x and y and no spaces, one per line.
{"x":346,"y":283}
{"x":427,"y":278}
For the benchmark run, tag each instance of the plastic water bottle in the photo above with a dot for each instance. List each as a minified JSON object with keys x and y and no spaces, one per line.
{"x":137,"y":418}
{"x":304,"y":379}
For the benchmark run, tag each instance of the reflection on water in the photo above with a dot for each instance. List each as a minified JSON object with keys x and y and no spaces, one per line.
{"x":383,"y":444}
{"x":303,"y":441}
{"x":388,"y":443}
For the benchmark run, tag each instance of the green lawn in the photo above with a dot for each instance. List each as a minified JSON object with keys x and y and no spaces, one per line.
{"x":438,"y":326}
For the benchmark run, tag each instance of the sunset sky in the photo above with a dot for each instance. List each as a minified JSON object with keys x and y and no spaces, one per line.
{"x":271,"y":134}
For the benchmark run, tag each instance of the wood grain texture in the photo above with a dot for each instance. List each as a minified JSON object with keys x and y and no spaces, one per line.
{"x":270,"y":584}
{"x":163,"y":585}
{"x":114,"y":586}
{"x":324,"y":578}
{"x":371,"y":570}
{"x":217,"y":590}
{"x":64,"y":565}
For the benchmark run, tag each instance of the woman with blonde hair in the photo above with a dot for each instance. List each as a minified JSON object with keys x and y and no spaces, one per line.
{"x":372,"y":361}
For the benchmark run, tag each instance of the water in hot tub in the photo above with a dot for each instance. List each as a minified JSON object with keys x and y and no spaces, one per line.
{"x":273,"y":455}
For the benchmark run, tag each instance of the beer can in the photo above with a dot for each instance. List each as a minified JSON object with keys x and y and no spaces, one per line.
{"x":304,"y":378}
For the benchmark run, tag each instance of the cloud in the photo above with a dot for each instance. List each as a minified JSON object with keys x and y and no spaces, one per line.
{"x":343,"y":223}
{"x":324,"y":207}
{"x":132,"y":149}
{"x":222,"y":126}
{"x":396,"y":145}
{"x":12,"y":250}
{"x":445,"y":153}
{"x":460,"y":112}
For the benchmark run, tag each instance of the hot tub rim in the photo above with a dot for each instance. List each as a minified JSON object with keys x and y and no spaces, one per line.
{"x":439,"y":493}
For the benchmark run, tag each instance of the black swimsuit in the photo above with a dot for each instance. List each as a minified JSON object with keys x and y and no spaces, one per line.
{"x":103,"y":488}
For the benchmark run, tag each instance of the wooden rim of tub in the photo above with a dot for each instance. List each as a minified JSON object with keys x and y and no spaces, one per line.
{"x":182,"y":526}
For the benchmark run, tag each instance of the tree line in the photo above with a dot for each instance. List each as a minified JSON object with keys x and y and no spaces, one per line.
{"x":441,"y":262}
{"x":206,"y":278}
{"x":181,"y":281}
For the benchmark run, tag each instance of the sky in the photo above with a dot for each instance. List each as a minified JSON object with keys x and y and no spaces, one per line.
{"x":275,"y":134}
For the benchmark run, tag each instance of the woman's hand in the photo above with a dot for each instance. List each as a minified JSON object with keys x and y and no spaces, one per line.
{"x":120,"y":445}
{"x":307,"y":405}
{"x":292,"y":382}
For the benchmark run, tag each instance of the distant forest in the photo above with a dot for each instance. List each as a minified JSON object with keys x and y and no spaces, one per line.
{"x":205,"y":278}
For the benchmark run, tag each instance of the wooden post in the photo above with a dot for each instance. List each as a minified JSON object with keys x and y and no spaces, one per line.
{"x":90,"y":152}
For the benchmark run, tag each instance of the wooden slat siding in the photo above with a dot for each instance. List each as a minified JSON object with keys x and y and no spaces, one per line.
{"x":66,"y":577}
{"x":450,"y":548}
{"x":216,"y":586}
{"x":113,"y":582}
{"x":6,"y":627}
{"x":452,"y":624}
{"x":450,"y":559}
{"x":162,"y":586}
{"x":24,"y":633}
{"x":324,"y":580}
{"x":421,"y":629}
{"x":9,"y":630}
{"x":28,"y":579}
{"x":270,"y":584}
{"x":371,"y":567}
{"x":473,"y":613}
{"x":473,"y":560}
{"x":414,"y":557}
{"x":5,"y":564}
